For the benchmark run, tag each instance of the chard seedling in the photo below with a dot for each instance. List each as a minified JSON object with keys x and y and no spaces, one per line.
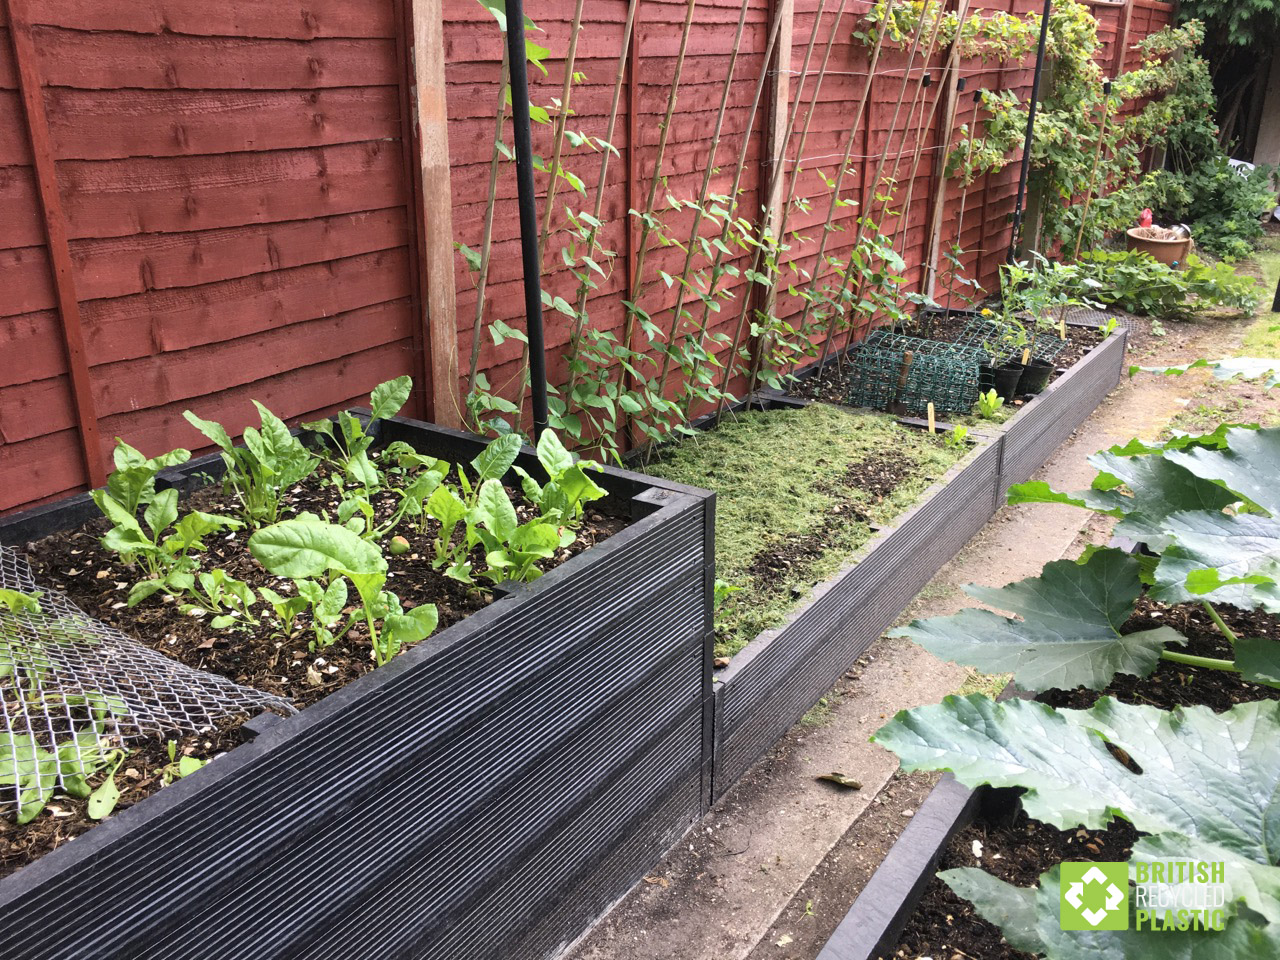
{"x":310,"y":549}
{"x":178,"y":767}
{"x":35,"y":769}
{"x":560,"y":500}
{"x":217,"y":591}
{"x":348,"y":440}
{"x":957,"y":438}
{"x":271,"y":460}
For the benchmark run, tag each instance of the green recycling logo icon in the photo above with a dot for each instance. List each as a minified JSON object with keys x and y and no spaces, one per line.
{"x":1094,"y":896}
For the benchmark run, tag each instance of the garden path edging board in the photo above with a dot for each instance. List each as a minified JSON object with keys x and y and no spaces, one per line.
{"x":773,"y":681}
{"x":488,"y":793}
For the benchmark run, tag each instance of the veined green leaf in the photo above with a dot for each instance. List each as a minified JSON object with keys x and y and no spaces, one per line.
{"x":1068,"y":631}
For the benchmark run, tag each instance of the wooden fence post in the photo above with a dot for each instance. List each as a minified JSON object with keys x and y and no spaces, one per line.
{"x":55,"y":223}
{"x":430,"y":119}
{"x":1122,"y":39}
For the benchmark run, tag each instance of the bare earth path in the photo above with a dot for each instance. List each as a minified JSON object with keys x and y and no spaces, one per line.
{"x":774,"y":866}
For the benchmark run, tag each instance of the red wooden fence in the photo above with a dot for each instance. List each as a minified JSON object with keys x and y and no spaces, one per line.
{"x":241,"y":216}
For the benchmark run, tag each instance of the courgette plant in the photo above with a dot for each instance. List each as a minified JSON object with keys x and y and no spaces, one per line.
{"x":1199,"y":785}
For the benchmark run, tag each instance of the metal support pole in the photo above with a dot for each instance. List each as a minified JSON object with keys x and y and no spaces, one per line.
{"x":529,"y":257}
{"x":1031,"y":130}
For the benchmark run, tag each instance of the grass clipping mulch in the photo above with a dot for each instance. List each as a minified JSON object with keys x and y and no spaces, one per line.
{"x":796,"y":494}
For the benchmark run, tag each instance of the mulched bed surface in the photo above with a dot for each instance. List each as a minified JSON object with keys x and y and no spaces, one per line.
{"x":877,"y":476}
{"x":98,"y":583}
{"x":946,"y":926}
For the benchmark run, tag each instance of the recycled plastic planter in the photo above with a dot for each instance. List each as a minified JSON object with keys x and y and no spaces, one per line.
{"x":486,"y":794}
{"x":779,"y":675}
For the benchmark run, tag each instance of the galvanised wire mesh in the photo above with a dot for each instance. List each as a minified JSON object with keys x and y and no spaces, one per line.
{"x":73,"y":688}
{"x":986,"y":334}
{"x":944,"y":374}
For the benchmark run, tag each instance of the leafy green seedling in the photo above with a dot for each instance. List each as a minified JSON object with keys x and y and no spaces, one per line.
{"x":348,"y":440}
{"x":560,"y":500}
{"x":178,"y":767}
{"x":258,"y":473}
{"x":989,"y":404}
{"x":306,"y":549}
{"x":218,"y":591}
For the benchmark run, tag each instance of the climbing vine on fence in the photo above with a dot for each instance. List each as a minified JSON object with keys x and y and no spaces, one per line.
{"x":1173,"y":82}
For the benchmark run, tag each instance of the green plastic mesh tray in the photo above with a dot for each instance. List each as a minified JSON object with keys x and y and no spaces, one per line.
{"x":945,"y":374}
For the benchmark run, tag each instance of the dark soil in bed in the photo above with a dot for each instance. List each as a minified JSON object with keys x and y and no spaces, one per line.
{"x":876,"y":477}
{"x":98,"y":583}
{"x":833,"y":384}
{"x":944,"y":925}
{"x":1015,"y":849}
{"x":1175,"y":684}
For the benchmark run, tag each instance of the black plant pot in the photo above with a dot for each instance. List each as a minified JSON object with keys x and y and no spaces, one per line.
{"x":1035,"y":376}
{"x":1006,"y":379}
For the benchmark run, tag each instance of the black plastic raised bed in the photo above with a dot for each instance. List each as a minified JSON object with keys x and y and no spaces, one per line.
{"x":777,"y":677}
{"x":487,"y":794}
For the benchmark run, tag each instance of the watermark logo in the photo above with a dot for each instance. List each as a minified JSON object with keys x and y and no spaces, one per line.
{"x":1094,"y":896}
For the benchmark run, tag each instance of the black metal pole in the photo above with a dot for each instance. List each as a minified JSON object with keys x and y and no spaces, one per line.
{"x":528,"y":214}
{"x":1031,"y":129}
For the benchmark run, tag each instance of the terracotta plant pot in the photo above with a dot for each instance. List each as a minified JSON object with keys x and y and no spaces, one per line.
{"x":1171,"y":253}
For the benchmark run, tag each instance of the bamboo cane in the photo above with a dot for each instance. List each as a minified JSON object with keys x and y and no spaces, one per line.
{"x":638,"y":280}
{"x":702,"y":201}
{"x":887,"y":198}
{"x":844,"y":163}
{"x":580,"y":311}
{"x":762,"y":345}
{"x":951,"y":64}
{"x":1093,"y":174}
{"x":486,"y":243}
{"x":862,"y":219}
{"x":964,"y":197}
{"x":561,"y":122}
{"x":737,"y":180}
{"x":774,"y":183}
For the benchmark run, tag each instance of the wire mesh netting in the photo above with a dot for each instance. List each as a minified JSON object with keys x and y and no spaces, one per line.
{"x":72,"y":689}
{"x":989,"y":336}
{"x":944,"y":374}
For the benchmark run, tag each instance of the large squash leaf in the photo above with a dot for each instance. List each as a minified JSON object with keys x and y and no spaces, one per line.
{"x":1142,"y":490}
{"x":1068,"y":631}
{"x":1223,"y":558}
{"x":1211,"y":777}
{"x":1028,"y":917}
{"x":1250,"y":465}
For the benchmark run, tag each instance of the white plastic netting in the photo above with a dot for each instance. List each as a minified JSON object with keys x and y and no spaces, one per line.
{"x":72,"y":688}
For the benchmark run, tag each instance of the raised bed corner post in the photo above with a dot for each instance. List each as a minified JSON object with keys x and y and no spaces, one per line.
{"x":55,"y":224}
{"x":1031,"y":132}
{"x":529,"y":256}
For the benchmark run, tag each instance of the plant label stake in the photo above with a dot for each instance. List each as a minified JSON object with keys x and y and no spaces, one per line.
{"x":1026,"y":356}
{"x":933,"y":419}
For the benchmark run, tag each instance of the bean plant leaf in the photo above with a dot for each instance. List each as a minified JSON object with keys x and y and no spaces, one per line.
{"x":305,"y":548}
{"x":1223,"y":558}
{"x":1068,"y":634}
{"x":389,"y":398}
{"x":1250,"y":465}
{"x":1212,"y":777}
{"x":496,"y":459}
